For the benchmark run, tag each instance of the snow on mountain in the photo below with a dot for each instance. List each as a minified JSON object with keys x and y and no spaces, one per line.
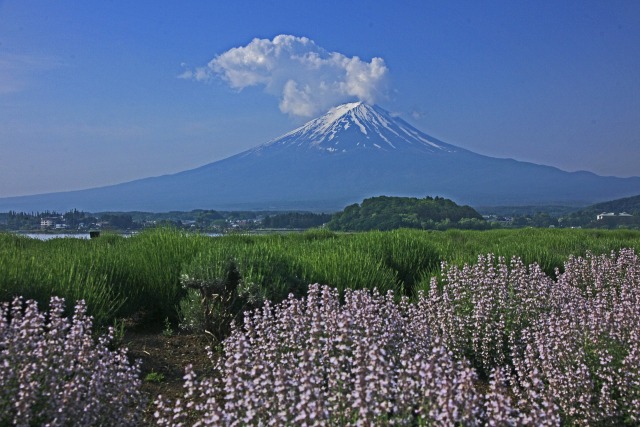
{"x":357,"y":126}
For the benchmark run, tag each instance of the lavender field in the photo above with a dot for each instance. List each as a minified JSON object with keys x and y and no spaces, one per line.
{"x":496,"y":343}
{"x":502,"y":339}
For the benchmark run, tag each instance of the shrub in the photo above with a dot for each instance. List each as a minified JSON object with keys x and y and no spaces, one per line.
{"x":546,"y":352}
{"x":569,"y":347}
{"x":588,"y":352}
{"x":479,"y":310}
{"x":313,"y":361}
{"x":52,"y":371}
{"x":369,"y":361}
{"x":191,"y":312}
{"x":215,"y":299}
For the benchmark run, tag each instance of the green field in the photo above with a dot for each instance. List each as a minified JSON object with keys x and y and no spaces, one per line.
{"x":119,"y":277}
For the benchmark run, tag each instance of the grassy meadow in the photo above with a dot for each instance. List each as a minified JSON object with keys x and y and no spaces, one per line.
{"x":120,"y":277}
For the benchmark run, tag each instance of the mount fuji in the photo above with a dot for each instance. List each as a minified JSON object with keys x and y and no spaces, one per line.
{"x":352,"y":152}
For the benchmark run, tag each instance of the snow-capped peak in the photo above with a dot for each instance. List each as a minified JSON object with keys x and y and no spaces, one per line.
{"x":358,"y":125}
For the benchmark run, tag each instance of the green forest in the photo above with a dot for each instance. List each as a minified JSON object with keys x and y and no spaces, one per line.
{"x":389,"y":213}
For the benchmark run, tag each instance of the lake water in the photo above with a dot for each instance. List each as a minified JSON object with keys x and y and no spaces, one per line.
{"x":44,"y":236}
{"x":41,"y":236}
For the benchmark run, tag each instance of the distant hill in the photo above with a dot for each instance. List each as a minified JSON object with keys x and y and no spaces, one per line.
{"x":587,"y":217}
{"x":555,"y":211}
{"x":628,"y":204}
{"x":387,"y":213}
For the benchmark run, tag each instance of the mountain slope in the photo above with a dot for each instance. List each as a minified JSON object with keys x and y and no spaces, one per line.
{"x":353,"y":152}
{"x":628,"y":204}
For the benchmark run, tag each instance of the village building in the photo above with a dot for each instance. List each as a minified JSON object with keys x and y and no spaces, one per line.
{"x":611,"y":215}
{"x":617,"y":219}
{"x":48,"y":222}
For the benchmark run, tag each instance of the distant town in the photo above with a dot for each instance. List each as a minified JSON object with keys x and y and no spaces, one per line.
{"x":212,"y":221}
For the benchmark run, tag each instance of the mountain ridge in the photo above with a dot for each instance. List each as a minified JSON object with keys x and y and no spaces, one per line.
{"x":354,"y":151}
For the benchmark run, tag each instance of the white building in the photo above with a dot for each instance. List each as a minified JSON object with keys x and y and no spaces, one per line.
{"x":609,"y":215}
{"x":48,"y":222}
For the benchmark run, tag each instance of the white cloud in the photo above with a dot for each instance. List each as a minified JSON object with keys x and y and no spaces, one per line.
{"x":307,"y":79}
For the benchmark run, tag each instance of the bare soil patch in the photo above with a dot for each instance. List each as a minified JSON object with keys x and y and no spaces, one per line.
{"x":165,"y":357}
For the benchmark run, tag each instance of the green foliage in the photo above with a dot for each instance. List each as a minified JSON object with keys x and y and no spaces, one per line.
{"x":222,"y":299}
{"x":388,"y":213}
{"x":168,"y":329}
{"x":119,"y":276}
{"x":295,"y":220}
{"x":154,"y":377}
{"x":118,"y":333}
{"x":191,"y":312}
{"x":118,"y":221}
{"x":63,"y":267}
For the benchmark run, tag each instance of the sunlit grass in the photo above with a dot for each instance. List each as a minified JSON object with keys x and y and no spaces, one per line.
{"x":119,"y":276}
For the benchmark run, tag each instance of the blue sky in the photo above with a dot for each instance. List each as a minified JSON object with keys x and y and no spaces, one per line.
{"x":91,"y":94}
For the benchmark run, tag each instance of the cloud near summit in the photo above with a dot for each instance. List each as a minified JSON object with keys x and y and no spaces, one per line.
{"x":307,"y":78}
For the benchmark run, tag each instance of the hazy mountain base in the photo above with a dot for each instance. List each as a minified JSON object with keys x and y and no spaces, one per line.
{"x":311,"y":170}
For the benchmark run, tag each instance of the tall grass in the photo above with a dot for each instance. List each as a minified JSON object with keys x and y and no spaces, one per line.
{"x":70,"y":268}
{"x":119,"y":276}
